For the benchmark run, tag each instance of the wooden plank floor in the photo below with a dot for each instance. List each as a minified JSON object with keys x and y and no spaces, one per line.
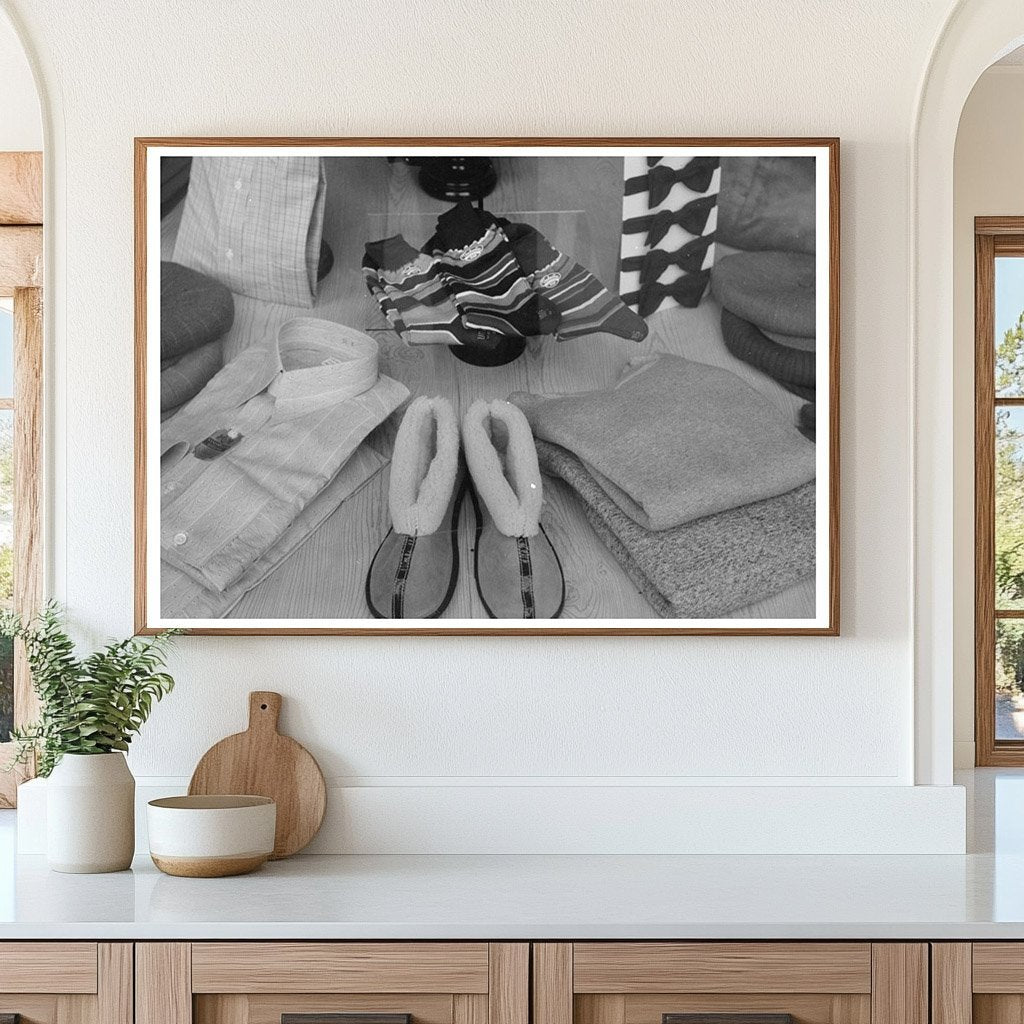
{"x":579,"y":213}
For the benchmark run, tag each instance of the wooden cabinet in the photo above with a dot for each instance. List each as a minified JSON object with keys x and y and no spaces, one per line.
{"x":978,"y":983}
{"x":512,"y":983}
{"x":753,"y":982}
{"x":66,"y":982}
{"x":263,"y":982}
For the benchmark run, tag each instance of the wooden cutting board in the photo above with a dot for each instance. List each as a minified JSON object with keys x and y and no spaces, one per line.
{"x":262,"y":762}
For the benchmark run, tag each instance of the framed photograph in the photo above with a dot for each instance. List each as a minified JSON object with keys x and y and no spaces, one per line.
{"x":450,"y":386}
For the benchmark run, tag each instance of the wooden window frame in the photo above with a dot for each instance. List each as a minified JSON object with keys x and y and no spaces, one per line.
{"x":21,"y":278}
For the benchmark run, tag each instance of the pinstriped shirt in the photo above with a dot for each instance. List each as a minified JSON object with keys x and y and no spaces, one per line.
{"x":241,"y":461}
{"x":255,"y":225}
{"x":182,"y":597}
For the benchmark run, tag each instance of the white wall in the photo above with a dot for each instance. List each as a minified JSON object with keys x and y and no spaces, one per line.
{"x":21,"y":126}
{"x":440,"y":712}
{"x":988,"y":180}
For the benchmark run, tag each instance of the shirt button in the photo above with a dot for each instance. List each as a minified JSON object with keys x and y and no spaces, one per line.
{"x":179,"y":539}
{"x":229,"y":254}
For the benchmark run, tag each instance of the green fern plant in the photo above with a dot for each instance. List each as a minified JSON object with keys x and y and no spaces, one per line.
{"x":90,"y":705}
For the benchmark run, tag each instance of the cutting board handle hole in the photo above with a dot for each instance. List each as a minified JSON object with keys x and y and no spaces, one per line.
{"x":263,"y":707}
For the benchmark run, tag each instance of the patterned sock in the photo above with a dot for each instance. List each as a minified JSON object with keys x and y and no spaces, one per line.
{"x":586,"y":306}
{"x":387,"y":307}
{"x":408,"y":290}
{"x":481,"y":271}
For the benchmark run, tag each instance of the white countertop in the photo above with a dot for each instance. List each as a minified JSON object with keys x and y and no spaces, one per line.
{"x":977,"y":896}
{"x":496,"y":897}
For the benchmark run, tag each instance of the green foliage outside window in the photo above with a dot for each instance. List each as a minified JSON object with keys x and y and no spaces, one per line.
{"x":1009,"y":510}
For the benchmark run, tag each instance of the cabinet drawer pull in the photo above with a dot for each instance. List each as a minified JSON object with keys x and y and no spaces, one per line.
{"x":338,"y":1018}
{"x":727,"y":1018}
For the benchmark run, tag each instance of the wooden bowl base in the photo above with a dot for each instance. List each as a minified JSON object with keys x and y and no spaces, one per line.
{"x":209,"y":867}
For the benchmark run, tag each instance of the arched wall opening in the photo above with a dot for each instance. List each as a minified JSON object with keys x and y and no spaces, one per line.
{"x":987,"y":183}
{"x":977,"y":34}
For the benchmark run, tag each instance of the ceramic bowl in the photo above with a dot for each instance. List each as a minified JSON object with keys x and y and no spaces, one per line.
{"x":211,"y":836}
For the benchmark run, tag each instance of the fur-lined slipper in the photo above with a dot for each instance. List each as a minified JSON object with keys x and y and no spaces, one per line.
{"x":414,"y":571}
{"x":518,"y":573}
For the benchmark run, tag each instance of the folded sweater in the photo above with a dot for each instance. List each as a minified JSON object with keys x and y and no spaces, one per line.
{"x":675,"y":440}
{"x":708,"y":567}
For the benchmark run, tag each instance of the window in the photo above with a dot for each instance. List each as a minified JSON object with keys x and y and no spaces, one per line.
{"x":999,"y":490}
{"x":21,"y":362}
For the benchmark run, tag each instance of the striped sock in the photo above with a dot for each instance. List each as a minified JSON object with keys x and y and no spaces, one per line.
{"x":481,"y":271}
{"x":409,"y":292}
{"x":387,"y":307}
{"x":586,"y":306}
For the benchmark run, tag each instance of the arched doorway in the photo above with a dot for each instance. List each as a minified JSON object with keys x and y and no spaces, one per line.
{"x":977,"y":33}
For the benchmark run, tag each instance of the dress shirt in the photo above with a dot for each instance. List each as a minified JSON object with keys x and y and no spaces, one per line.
{"x":242,"y":460}
{"x":182,"y":597}
{"x":255,"y":223}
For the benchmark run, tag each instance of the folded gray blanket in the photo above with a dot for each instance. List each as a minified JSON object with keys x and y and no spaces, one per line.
{"x":709,"y":566}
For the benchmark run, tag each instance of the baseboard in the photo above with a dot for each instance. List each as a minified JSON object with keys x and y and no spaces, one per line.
{"x":526,"y":819}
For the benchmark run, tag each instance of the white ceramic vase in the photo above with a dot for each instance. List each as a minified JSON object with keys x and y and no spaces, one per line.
{"x":90,"y":814}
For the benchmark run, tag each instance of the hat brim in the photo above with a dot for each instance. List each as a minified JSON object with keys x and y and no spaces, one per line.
{"x":791,"y":367}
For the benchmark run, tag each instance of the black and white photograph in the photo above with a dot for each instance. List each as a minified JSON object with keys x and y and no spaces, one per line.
{"x":395,"y":386}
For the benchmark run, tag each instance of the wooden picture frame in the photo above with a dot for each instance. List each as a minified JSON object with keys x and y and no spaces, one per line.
{"x":823,"y":568}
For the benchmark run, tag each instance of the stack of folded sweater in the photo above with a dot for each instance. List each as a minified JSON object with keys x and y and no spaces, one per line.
{"x":767,"y":291}
{"x":479,"y":278}
{"x":693,"y":481}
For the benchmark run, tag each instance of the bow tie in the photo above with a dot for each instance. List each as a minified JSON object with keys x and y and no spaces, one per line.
{"x":689,"y":258}
{"x":691,"y":218}
{"x":658,"y":181}
{"x":686,"y":290}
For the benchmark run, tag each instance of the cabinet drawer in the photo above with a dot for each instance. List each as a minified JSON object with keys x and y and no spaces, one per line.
{"x":998,"y":967}
{"x":332,"y":983}
{"x":66,"y":982}
{"x":65,"y":967}
{"x":634,"y":967}
{"x":730,"y":983}
{"x":340,"y":967}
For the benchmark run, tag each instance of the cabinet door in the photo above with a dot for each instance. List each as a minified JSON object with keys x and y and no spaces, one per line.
{"x":332,"y":983}
{"x":65,"y":983}
{"x":730,"y":983}
{"x":979,"y":982}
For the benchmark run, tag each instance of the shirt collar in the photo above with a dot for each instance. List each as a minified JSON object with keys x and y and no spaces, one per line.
{"x":310,"y":365}
{"x":322,"y":363}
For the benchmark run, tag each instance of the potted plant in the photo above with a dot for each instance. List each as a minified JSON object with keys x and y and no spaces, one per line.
{"x":89,"y":710}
